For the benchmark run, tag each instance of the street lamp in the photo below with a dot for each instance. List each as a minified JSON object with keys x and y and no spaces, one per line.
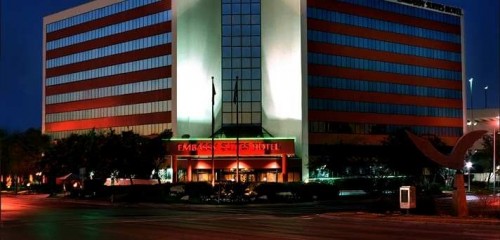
{"x":495,"y":156}
{"x":496,"y":130}
{"x":495,"y":170}
{"x":468,"y":165}
{"x":471,"y":80}
{"x":486,"y":96}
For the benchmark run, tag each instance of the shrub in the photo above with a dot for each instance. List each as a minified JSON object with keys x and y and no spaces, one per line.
{"x":198,"y":190}
{"x":284,"y":192}
{"x":270,"y":190}
{"x":320,"y":191}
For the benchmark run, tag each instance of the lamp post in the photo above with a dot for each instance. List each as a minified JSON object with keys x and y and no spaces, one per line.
{"x":471,"y":105}
{"x":213,"y":127}
{"x":486,"y":96}
{"x":1,"y":181}
{"x":495,"y":177}
{"x":495,"y":153}
{"x":468,"y":165}
{"x":494,"y":159}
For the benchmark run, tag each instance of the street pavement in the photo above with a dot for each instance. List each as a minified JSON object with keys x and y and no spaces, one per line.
{"x":39,"y":217}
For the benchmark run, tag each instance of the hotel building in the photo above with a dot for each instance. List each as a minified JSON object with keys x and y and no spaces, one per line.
{"x":289,"y":77}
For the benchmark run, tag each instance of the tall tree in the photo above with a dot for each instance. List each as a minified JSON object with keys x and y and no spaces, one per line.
{"x":483,"y":159}
{"x":24,"y":152}
{"x":106,"y":152}
{"x":404,"y":157}
{"x":155,"y":150}
{"x":3,"y":136}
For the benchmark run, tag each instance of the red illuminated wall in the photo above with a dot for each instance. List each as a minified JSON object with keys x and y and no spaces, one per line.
{"x":114,"y":80}
{"x":374,"y":76}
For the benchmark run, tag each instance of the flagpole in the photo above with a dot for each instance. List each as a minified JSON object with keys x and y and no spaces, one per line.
{"x":237,"y":134}
{"x":213,"y":126}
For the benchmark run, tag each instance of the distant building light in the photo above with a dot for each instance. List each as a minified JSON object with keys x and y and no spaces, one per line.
{"x":469,"y":123}
{"x":468,"y":165}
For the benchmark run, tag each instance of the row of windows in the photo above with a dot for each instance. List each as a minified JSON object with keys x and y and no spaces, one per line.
{"x":111,"y":29}
{"x":337,"y":17}
{"x":347,"y":62}
{"x":395,"y":109}
{"x":250,"y":112}
{"x":243,"y":107}
{"x":407,"y":10}
{"x":245,"y":41}
{"x":248,"y":90}
{"x":138,"y":87}
{"x":382,"y":87}
{"x":254,"y":118}
{"x":243,"y":85}
{"x":235,"y":7}
{"x":134,"y":109}
{"x":243,"y":96}
{"x":229,"y":74}
{"x":240,"y":1}
{"x":249,"y":84}
{"x":247,"y":62}
{"x":238,"y":52}
{"x":374,"y":129}
{"x":98,"y":13}
{"x":144,"y":64}
{"x":382,"y":46}
{"x":245,"y":19}
{"x":148,"y":129}
{"x":111,"y":50}
{"x":240,"y":30}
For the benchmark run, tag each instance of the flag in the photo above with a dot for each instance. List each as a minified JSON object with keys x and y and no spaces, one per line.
{"x":235,"y":92}
{"x":213,"y":93}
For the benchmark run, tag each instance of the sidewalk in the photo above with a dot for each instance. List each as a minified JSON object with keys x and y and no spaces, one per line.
{"x":413,"y":218}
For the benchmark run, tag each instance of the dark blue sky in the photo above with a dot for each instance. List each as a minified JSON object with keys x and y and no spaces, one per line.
{"x":21,"y":55}
{"x":21,"y":60}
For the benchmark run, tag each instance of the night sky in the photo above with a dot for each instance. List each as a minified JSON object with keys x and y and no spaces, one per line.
{"x":21,"y":55}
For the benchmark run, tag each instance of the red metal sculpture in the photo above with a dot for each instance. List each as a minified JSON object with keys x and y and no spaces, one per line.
{"x":454,"y":160}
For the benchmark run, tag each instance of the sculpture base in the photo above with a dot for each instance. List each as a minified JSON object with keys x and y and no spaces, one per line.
{"x":459,"y":197}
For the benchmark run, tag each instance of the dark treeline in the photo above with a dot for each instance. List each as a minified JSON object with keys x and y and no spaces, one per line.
{"x":98,"y":152}
{"x":130,"y":155}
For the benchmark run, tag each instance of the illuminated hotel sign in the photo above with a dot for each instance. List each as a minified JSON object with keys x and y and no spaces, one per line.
{"x":227,"y":147}
{"x":432,"y":6}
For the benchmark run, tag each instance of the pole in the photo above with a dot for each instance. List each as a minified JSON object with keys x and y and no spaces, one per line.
{"x":494,"y":158}
{"x":498,"y":126}
{"x":237,"y":135}
{"x":485,"y":96}
{"x":471,"y":105}
{"x":468,"y":179}
{"x":1,"y":177}
{"x":213,"y":126}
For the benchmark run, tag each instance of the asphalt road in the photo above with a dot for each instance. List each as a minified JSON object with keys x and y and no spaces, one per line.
{"x":38,"y":217}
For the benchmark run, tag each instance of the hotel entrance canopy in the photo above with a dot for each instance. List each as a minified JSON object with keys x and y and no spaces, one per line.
{"x":253,"y":153}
